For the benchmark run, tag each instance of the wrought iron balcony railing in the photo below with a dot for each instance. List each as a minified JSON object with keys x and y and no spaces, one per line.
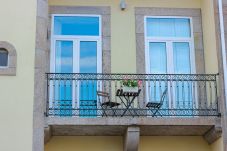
{"x":187,"y":95}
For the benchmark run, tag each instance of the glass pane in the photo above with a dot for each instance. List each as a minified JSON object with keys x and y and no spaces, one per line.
{"x":168,"y":27}
{"x":88,"y":57}
{"x":3,"y":57}
{"x":63,"y":88}
{"x":181,"y":54}
{"x":183,"y":90}
{"x":88,"y":88}
{"x":64,"y":57}
{"x":158,"y":65}
{"x":76,"y":25}
{"x":182,"y":28}
{"x":158,"y":59}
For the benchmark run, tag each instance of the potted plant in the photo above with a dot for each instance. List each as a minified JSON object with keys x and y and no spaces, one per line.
{"x":131,"y":85}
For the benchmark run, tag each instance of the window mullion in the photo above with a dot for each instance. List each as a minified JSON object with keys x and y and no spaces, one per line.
{"x":99,"y":56}
{"x":76,"y":55}
{"x":53,"y":58}
{"x":192,"y":57}
{"x":147,"y":56}
{"x":170,"y":65}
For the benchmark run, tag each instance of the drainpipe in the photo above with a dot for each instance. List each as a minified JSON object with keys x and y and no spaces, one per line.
{"x":223,"y":47}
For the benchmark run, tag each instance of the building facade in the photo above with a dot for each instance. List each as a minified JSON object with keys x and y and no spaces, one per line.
{"x":132,"y":75}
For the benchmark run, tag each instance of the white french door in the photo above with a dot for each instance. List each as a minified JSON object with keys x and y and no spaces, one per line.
{"x":75,"y":55}
{"x":169,"y":49}
{"x":170,"y":57}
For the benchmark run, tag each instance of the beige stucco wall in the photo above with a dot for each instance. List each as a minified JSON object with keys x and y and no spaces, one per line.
{"x":189,"y":143}
{"x":211,"y":62}
{"x":115,"y":143}
{"x":85,"y":143}
{"x":123,"y":38}
{"x":17,"y":26}
{"x":218,"y":145}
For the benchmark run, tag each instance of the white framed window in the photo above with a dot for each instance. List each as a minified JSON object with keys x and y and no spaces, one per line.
{"x":74,"y":33}
{"x":169,"y":49}
{"x":168,"y":41}
{"x":76,"y":47}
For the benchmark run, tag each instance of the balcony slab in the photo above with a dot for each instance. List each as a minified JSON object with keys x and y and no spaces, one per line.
{"x":74,"y":126}
{"x":129,"y":121}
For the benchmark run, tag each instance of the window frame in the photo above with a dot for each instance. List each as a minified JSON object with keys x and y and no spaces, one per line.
{"x":169,"y":44}
{"x":76,"y":39}
{"x":169,"y":49}
{"x":75,"y":15}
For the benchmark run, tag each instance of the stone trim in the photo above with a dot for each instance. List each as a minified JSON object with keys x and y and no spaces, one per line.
{"x":40,"y":68}
{"x":220,"y":69}
{"x":195,"y":14}
{"x":132,"y":139}
{"x":10,"y":70}
{"x":127,"y":121}
{"x":104,"y":11}
{"x":48,"y":134}
{"x":213,"y":134}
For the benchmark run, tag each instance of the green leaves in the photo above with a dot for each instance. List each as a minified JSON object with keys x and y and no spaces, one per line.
{"x":130,"y":83}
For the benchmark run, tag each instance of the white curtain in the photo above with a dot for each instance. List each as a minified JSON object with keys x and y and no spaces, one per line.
{"x":181,"y":57}
{"x":168,"y":27}
{"x":158,"y":58}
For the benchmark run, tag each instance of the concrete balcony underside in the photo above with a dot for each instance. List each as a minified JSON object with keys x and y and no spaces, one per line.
{"x":208,"y":127}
